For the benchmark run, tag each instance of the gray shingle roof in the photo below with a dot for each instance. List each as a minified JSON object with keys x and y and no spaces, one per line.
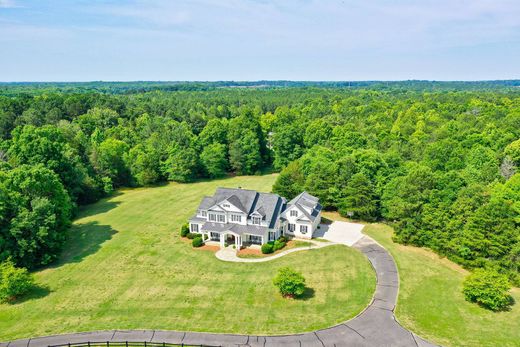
{"x":245,"y":196}
{"x":303,"y":200}
{"x":236,"y":201}
{"x":206,"y":203}
{"x":197,"y":219}
{"x":268,"y":205}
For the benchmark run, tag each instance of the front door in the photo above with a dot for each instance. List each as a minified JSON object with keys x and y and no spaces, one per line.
{"x":230,"y":239}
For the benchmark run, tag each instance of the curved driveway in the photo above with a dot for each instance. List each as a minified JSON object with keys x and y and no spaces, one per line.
{"x":375,"y":326}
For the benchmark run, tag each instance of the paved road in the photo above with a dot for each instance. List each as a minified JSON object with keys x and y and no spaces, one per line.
{"x":376,"y":326}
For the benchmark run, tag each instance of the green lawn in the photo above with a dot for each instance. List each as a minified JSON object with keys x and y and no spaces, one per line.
{"x":431,"y":303}
{"x":126,"y":267}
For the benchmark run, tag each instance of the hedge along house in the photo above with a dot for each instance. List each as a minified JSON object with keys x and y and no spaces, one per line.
{"x":244,"y":217}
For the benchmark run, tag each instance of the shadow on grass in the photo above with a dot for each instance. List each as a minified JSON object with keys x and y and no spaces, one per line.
{"x":509,"y":305}
{"x":307,"y":294}
{"x":83,"y":240}
{"x":326,"y":221}
{"x":36,"y":292}
{"x":102,"y":206}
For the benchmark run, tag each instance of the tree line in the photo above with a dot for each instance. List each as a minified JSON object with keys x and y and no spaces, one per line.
{"x":439,"y":165}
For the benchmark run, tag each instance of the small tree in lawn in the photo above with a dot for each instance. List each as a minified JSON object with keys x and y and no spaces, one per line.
{"x":487,"y":288}
{"x":289,"y":282}
{"x":14,"y":281}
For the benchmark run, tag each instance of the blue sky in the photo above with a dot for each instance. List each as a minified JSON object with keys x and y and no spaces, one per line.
{"x":259,"y":39}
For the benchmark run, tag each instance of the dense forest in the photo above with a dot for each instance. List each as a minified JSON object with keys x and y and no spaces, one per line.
{"x":437,"y":161}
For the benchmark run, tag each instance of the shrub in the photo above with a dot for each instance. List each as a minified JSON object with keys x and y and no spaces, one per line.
{"x":487,"y":288}
{"x":278,"y":244}
{"x":192,"y":236}
{"x":289,"y":282}
{"x":283,"y":239}
{"x":267,"y":248}
{"x":197,"y":242}
{"x":14,"y":281}
{"x":185,"y":230}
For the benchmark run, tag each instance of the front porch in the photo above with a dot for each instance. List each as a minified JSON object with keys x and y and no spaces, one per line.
{"x":230,"y":238}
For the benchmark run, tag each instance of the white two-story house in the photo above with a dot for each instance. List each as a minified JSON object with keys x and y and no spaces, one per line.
{"x":243,"y":217}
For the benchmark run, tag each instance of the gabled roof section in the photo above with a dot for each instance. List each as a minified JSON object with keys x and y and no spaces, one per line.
{"x":266,"y":205}
{"x":305,"y":200}
{"x":259,"y":211}
{"x":233,"y":199}
{"x":241,"y":198}
{"x":206,"y":203}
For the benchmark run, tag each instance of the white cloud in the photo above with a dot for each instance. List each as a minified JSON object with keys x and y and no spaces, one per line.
{"x":17,"y":32}
{"x":268,"y":38}
{"x":8,"y":4}
{"x":332,"y":24}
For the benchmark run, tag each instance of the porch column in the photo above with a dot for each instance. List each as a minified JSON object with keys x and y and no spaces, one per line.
{"x":237,"y":242}
{"x":222,"y":245}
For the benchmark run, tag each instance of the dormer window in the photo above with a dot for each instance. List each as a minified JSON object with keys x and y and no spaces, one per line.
{"x":294,"y":213}
{"x":256,"y":220}
{"x":203,"y":213}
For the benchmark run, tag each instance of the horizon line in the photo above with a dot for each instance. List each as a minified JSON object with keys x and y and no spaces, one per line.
{"x":260,"y":80}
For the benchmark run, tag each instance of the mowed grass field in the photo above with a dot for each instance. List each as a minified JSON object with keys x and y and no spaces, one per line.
{"x":125,"y":266}
{"x":431,"y":303}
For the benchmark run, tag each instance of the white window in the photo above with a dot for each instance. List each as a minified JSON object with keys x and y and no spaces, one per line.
{"x":291,"y":227}
{"x":212,"y":217}
{"x":194,"y":228}
{"x":272,"y":235}
{"x":221,"y":218}
{"x":303,"y":229}
{"x":214,"y":236}
{"x":203,"y":213}
{"x":294,"y":213}
{"x":236,"y":218}
{"x":256,"y":220}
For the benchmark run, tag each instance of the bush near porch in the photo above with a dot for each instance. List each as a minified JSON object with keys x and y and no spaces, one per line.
{"x":250,"y":252}
{"x":273,"y":246}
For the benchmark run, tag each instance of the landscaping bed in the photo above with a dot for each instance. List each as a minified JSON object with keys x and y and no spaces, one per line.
{"x":250,"y":252}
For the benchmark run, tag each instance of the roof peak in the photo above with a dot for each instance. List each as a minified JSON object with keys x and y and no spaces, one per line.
{"x":305,"y":196}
